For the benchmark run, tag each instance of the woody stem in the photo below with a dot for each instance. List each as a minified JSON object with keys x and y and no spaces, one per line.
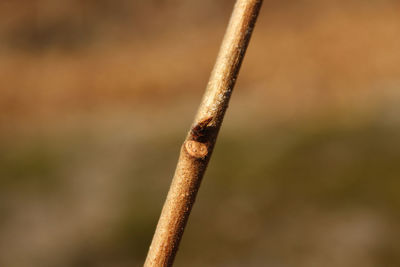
{"x":199,"y":143}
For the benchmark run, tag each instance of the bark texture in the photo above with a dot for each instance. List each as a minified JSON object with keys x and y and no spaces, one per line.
{"x":199,"y":143}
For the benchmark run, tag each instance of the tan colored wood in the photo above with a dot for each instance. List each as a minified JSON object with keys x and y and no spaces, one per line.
{"x":198,"y":146}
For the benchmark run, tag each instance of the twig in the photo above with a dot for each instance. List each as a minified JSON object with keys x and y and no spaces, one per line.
{"x":199,"y":143}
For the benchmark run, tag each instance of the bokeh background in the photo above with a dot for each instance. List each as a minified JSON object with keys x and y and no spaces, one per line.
{"x":96,"y":98}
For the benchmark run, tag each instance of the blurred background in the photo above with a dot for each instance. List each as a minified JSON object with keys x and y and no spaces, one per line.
{"x":96,"y":98}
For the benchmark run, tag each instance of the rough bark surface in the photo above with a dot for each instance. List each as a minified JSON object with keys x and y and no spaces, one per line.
{"x":199,"y":143}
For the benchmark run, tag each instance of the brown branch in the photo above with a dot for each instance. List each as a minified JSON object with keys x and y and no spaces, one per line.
{"x":198,"y":146}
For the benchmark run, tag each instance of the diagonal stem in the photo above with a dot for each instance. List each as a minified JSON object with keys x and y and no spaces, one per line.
{"x":199,"y":143}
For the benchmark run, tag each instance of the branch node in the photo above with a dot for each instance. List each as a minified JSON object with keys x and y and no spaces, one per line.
{"x":196,"y":149}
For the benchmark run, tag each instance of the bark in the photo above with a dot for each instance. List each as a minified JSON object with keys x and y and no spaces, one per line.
{"x":198,"y":146}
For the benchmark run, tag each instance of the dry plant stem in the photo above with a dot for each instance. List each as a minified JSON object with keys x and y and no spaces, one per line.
{"x":198,"y":146}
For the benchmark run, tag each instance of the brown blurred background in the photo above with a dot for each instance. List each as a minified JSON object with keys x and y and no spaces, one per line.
{"x":96,"y":98}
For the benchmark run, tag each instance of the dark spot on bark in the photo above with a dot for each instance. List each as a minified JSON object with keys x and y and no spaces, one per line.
{"x":200,"y":131}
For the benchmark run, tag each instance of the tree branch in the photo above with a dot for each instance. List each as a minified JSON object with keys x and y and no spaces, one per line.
{"x":199,"y":143}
